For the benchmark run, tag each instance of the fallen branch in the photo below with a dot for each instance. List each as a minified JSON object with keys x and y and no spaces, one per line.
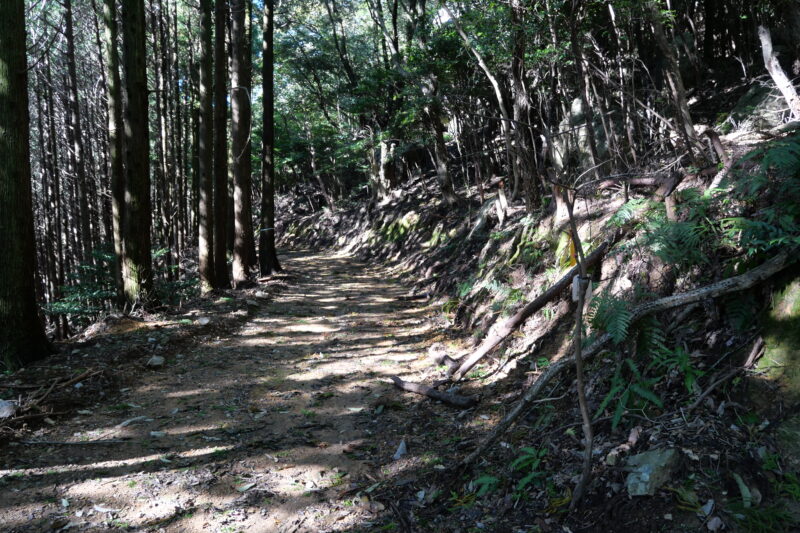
{"x":84,"y":375}
{"x":508,"y":327}
{"x":454,"y":400}
{"x":757,"y":350}
{"x":727,"y":286}
{"x":32,"y":416}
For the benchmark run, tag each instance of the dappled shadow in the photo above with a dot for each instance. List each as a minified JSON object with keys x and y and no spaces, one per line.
{"x":260,"y":430}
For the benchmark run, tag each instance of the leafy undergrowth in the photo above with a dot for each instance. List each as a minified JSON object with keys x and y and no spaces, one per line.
{"x":673,"y":381}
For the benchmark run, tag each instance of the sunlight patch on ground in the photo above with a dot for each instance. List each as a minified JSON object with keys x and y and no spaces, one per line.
{"x":190,"y":392}
{"x":310,"y":328}
{"x":15,"y":472}
{"x":183,"y":430}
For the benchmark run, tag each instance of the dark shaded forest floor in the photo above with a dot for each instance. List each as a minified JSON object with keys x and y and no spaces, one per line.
{"x":274,"y":425}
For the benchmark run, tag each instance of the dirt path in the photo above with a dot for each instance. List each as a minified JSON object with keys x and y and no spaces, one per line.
{"x":279,"y":426}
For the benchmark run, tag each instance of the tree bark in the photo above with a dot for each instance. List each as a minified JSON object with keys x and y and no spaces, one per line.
{"x":524,"y":164}
{"x":205,"y":159}
{"x":498,"y":94}
{"x":686,"y":126}
{"x":22,"y":338}
{"x":268,"y":256}
{"x":588,"y":111}
{"x":240,"y":133}
{"x":77,"y":139}
{"x":222,"y":279}
{"x":775,"y":70}
{"x":455,"y":400}
{"x":137,"y":271}
{"x":115,"y":129}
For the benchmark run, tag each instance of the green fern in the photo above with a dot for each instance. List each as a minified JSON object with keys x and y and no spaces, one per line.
{"x":627,"y":211}
{"x":485,"y":484}
{"x":630,"y":392}
{"x":651,"y":339}
{"x":739,"y":309}
{"x":679,"y":243}
{"x":612,"y":315}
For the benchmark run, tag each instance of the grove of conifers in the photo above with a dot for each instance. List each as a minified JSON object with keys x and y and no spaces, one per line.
{"x":142,"y":141}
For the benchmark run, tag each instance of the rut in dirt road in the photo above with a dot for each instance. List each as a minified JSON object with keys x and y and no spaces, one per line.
{"x":276,"y":427}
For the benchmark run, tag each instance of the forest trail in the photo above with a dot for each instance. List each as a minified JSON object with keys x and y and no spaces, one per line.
{"x":275,"y":427}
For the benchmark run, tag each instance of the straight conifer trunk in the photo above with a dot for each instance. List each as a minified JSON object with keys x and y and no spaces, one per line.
{"x":22,"y":338}
{"x":268,"y":256}
{"x":137,"y":271}
{"x":115,"y":129}
{"x":241,"y":117}
{"x":222,"y":280}
{"x":84,"y":215}
{"x":205,"y":141}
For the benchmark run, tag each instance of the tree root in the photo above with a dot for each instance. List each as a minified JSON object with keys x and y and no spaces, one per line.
{"x":727,"y":286}
{"x":508,"y":327}
{"x":454,"y":400}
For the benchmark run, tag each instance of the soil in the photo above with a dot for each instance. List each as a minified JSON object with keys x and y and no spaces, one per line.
{"x":282,"y":423}
{"x":275,"y":412}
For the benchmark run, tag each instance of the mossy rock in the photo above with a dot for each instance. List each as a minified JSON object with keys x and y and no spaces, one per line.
{"x":781,"y":360}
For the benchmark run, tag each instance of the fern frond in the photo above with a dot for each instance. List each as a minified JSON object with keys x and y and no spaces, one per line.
{"x":612,"y":315}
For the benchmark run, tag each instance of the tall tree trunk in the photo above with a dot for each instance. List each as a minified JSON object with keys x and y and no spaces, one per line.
{"x":241,"y":117}
{"x":22,"y":338}
{"x":205,"y":141}
{"x":137,"y":270}
{"x":523,"y":160}
{"x":677,"y":89}
{"x":775,"y":70}
{"x":222,"y":280}
{"x":588,"y":111}
{"x":505,"y":124}
{"x":115,"y":129}
{"x":77,"y":138}
{"x":268,"y":256}
{"x":58,"y":233}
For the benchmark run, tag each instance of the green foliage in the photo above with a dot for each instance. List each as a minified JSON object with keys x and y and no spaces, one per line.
{"x":465,"y":287}
{"x":739,"y":309}
{"x":678,"y":243}
{"x":484,"y":485}
{"x":788,"y":485}
{"x":177,"y":290}
{"x":633,"y":391}
{"x":611,"y":315}
{"x":627,"y":212}
{"x":767,"y":519}
{"x":89,"y":290}
{"x":529,"y":461}
{"x":681,"y":360}
{"x":450,"y":306}
{"x":760,"y":212}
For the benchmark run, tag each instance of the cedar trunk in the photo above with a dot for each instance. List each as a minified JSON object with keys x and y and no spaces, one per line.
{"x":22,"y":337}
{"x":115,"y":129}
{"x":137,"y":271}
{"x":221,"y":277}
{"x":268,"y":257}
{"x":241,"y":117}
{"x":205,"y":140}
